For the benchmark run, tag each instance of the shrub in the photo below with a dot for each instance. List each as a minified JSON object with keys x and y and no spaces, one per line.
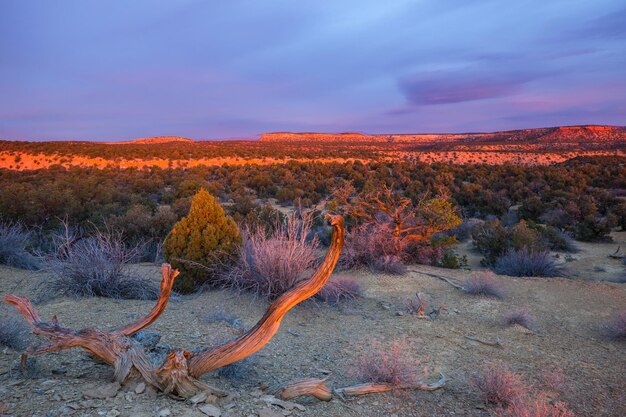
{"x":14,"y":243}
{"x":520,"y":317}
{"x":14,"y":333}
{"x":374,"y":246}
{"x":525,"y":263}
{"x":497,"y":384}
{"x":491,"y":239}
{"x":337,"y":290}
{"x":388,"y":363}
{"x":98,"y":266}
{"x":538,"y":408}
{"x":271,"y":263}
{"x":201,"y":243}
{"x":522,"y":236}
{"x":616,"y":327}
{"x":556,"y":240}
{"x":484,"y":283}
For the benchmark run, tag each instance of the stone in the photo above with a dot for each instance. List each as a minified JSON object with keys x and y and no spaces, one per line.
{"x":199,"y":398}
{"x":103,"y":391}
{"x":210,"y":410}
{"x":140,"y":388}
{"x":268,"y":412}
{"x":164,"y":412}
{"x":113,"y":413}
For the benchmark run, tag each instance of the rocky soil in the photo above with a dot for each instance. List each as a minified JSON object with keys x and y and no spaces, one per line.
{"x":318,"y":340}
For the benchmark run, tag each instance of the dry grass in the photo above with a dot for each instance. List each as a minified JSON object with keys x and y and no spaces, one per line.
{"x":338,"y":290}
{"x":270,"y":263}
{"x":538,"y":408}
{"x":390,"y":363}
{"x":14,"y":333}
{"x":616,"y":328}
{"x":521,"y":317}
{"x":14,"y":243}
{"x":98,"y":266}
{"x":497,"y":384}
{"x":527,"y":263}
{"x":484,"y":283}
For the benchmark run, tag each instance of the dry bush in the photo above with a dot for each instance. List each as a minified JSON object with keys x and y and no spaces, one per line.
{"x":484,"y":283}
{"x":553,"y":378}
{"x":14,"y":333}
{"x":390,"y":363}
{"x":616,"y":328}
{"x":97,"y":266}
{"x":527,"y":263}
{"x":538,"y":408}
{"x":340,"y":289}
{"x":521,"y":316}
{"x":497,"y":384}
{"x":14,"y":243}
{"x":272,"y":262}
{"x":376,"y":247}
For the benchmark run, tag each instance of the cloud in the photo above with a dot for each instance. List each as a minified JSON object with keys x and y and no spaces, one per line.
{"x":445,"y":87}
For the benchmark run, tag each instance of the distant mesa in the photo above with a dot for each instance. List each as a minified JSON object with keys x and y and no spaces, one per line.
{"x":560,"y":134}
{"x":155,"y":140}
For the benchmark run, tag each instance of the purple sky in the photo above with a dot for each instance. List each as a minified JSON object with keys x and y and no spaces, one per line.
{"x":118,"y":70}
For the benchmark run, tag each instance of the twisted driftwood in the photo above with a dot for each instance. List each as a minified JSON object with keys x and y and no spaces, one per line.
{"x":318,"y":388}
{"x":179,"y":375}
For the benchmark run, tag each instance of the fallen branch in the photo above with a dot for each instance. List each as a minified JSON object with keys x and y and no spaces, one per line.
{"x":179,"y":374}
{"x":494,"y":344}
{"x":305,"y":386}
{"x":373,"y":387}
{"x":450,"y":281}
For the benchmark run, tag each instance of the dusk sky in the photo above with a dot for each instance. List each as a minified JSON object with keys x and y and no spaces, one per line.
{"x":119,"y":70}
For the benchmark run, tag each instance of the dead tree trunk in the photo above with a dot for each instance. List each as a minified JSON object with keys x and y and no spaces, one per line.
{"x":179,"y":375}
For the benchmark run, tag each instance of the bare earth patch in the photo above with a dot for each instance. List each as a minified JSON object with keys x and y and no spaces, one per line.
{"x":315,"y":339}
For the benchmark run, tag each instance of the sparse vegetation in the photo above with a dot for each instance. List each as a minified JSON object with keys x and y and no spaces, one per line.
{"x":97,"y":266}
{"x":390,"y":363}
{"x":526,"y":263}
{"x":538,"y":408}
{"x":616,"y":328}
{"x":338,"y":290}
{"x":14,"y":333}
{"x":497,"y":384}
{"x":269,"y":263}
{"x":484,"y":283}
{"x":521,"y":317}
{"x":14,"y":244}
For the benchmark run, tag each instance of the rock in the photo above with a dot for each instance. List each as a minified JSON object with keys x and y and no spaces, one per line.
{"x":287,"y":405}
{"x":268,"y":412}
{"x":113,"y":413}
{"x":199,"y":398}
{"x":103,"y":391}
{"x":140,"y":388}
{"x":210,"y":410}
{"x":164,"y":412}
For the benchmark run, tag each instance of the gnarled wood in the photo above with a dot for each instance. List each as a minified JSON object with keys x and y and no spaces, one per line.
{"x":373,"y":387}
{"x":266,"y":328}
{"x":305,"y":386}
{"x":115,"y":348}
{"x":167,"y":282}
{"x":181,"y":369}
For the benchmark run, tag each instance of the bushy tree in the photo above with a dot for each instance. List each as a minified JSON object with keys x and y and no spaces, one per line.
{"x":201,"y":242}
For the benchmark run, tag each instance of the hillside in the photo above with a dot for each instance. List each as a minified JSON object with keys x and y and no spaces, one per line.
{"x":560,"y":134}
{"x":154,"y":140}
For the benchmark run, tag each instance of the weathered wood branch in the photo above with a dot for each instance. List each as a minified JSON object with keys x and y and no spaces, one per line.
{"x":373,"y":387}
{"x":266,"y":328}
{"x":167,"y":283}
{"x":305,"y":386}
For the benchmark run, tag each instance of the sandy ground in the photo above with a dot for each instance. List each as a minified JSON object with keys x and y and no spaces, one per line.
{"x":315,"y":339}
{"x":27,"y":161}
